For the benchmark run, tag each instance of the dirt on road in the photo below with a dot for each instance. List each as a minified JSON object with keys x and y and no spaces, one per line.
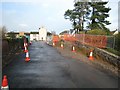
{"x":99,"y":64}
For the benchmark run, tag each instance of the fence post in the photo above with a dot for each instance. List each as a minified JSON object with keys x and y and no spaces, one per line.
{"x":114,"y":43}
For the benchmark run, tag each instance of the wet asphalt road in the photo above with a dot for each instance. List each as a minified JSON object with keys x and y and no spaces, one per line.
{"x":48,"y":69}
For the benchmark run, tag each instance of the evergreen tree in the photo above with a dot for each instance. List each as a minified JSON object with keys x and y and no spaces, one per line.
{"x":78,"y":15}
{"x":95,"y":13}
{"x":71,"y":15}
{"x":99,"y":15}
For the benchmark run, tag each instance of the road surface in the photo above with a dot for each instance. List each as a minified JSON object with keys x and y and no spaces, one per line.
{"x":49,"y":69}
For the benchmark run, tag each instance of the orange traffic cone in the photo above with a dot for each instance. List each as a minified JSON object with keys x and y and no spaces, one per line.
{"x":25,"y":49}
{"x":53,"y":44}
{"x":73,"y":49}
{"x":61,"y":45}
{"x":5,"y":83}
{"x":91,"y":55}
{"x":24,"y":45}
{"x":27,"y":57}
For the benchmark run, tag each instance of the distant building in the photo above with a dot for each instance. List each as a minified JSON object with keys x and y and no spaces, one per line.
{"x":12,"y":34}
{"x":21,"y":33}
{"x":34,"y":36}
{"x":116,"y":32}
{"x":42,"y":34}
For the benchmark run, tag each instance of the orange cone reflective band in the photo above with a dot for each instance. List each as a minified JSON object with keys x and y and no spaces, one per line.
{"x":53,"y":44}
{"x":73,"y":49}
{"x":91,"y":55}
{"x":25,"y":49}
{"x":27,"y":57}
{"x":24,"y":45}
{"x":5,"y":83}
{"x":61,"y":45}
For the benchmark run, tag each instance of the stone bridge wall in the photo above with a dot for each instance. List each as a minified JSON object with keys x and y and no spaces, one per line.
{"x":101,"y":54}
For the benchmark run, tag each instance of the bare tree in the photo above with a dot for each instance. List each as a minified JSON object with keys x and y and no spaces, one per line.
{"x":3,"y":31}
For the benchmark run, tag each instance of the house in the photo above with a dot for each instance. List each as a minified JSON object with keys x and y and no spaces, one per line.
{"x":34,"y":36}
{"x":12,"y":35}
{"x":116,"y":32}
{"x":49,"y":37}
{"x":42,"y":34}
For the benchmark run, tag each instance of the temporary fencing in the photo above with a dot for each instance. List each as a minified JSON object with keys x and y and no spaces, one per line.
{"x":91,"y":40}
{"x":100,"y":41}
{"x":55,"y":38}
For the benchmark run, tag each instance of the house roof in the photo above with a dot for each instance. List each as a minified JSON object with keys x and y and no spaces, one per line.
{"x":116,"y":32}
{"x":13,"y":33}
{"x":27,"y":33}
{"x":34,"y":32}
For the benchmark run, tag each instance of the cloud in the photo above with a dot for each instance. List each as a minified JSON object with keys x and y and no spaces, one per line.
{"x":31,"y":14}
{"x":113,"y":16}
{"x":23,"y":25}
{"x":45,"y":5}
{"x":51,"y":19}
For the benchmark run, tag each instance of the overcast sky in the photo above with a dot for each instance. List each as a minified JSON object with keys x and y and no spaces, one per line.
{"x":29,"y":15}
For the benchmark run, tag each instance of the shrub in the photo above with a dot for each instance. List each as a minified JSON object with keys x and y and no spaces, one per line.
{"x":98,"y":32}
{"x":117,"y":42}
